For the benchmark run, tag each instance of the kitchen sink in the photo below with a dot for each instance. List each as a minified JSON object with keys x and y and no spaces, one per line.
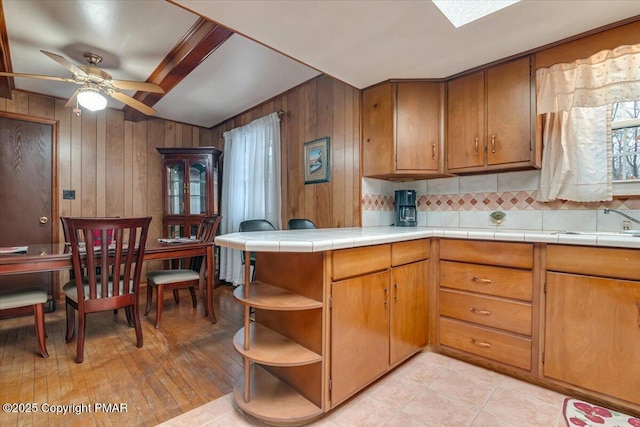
{"x":635,"y":233}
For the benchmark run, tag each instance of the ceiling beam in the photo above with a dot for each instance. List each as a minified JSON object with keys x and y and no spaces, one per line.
{"x":7,"y":84}
{"x":198,"y":43}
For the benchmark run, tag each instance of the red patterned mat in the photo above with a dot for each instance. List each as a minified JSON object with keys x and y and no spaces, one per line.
{"x":578,"y":413}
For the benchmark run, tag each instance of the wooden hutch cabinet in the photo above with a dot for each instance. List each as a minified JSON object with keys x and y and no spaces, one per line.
{"x":190,"y":185}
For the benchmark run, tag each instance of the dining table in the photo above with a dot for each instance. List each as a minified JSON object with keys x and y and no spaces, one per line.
{"x":57,"y":257}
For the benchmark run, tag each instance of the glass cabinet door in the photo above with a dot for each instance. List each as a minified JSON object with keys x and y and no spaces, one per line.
{"x":198,"y":188}
{"x":175,"y":188}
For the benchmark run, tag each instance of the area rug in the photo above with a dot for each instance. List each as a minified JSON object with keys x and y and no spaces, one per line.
{"x":582,"y":414}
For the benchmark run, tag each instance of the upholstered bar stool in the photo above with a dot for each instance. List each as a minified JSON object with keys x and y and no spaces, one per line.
{"x":34,"y":297}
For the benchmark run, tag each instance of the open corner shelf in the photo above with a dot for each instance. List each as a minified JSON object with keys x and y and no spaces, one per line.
{"x":268,"y":297}
{"x":273,"y":401}
{"x":268,"y":347}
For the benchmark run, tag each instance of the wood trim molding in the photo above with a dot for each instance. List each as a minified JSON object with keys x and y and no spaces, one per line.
{"x":7,"y":84}
{"x":198,"y":43}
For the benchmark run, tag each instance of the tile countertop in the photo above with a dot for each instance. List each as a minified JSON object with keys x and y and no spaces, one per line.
{"x":324,"y":239}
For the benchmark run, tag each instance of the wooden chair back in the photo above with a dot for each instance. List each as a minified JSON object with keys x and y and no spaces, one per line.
{"x":124,"y":261}
{"x":207,"y":231}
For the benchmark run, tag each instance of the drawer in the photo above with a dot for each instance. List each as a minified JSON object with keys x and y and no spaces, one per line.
{"x":357,"y":261}
{"x":606,"y":262}
{"x":517,"y":255}
{"x":499,"y":281}
{"x":501,"y":347}
{"x":497,"y":313}
{"x":409,"y":251}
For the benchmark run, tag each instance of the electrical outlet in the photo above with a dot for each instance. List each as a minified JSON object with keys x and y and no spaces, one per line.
{"x":69,"y":194}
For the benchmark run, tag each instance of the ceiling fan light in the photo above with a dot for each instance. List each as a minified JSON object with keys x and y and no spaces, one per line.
{"x":91,"y":99}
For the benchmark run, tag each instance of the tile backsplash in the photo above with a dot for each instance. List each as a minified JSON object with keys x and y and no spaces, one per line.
{"x":468,"y":201}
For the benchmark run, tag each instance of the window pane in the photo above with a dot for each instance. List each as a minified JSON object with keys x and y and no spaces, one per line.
{"x":625,"y":140}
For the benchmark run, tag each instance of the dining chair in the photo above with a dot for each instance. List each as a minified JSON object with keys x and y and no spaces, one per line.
{"x":182,"y":278}
{"x":254,"y":225}
{"x":300,"y":224}
{"x":95,"y":292}
{"x":33,"y":297}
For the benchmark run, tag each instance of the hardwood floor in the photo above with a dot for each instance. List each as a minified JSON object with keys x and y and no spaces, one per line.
{"x":184,"y":364}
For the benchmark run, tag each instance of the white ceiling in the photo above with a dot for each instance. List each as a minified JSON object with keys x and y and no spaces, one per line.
{"x":359,"y":42}
{"x":363,"y":42}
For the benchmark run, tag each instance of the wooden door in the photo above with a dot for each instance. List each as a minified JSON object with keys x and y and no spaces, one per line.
{"x":509,"y":114}
{"x":409,"y":315}
{"x":465,"y":122}
{"x":377,"y":130}
{"x":26,"y":159}
{"x":359,"y":333}
{"x":592,"y":334}
{"x":417,"y":126}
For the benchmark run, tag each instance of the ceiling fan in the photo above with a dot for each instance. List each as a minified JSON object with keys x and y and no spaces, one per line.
{"x":94,"y":83}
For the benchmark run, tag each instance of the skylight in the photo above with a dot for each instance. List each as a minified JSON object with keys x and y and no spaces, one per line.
{"x":461,"y":12}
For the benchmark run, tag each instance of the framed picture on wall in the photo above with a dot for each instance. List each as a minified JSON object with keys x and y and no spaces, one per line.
{"x":316,"y":160}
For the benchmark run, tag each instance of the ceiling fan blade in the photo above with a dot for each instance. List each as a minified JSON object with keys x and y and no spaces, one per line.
{"x":72,"y":100}
{"x":132,"y":85}
{"x":38,"y":76}
{"x":65,"y":63}
{"x":132,"y":102}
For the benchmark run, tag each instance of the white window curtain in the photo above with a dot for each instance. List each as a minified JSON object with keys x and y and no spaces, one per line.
{"x":250,"y":184}
{"x":574,"y":99}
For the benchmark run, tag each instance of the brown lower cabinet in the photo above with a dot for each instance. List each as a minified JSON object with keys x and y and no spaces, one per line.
{"x":378,"y":319}
{"x":592,"y":322}
{"x":327,"y":324}
{"x":485,"y":300}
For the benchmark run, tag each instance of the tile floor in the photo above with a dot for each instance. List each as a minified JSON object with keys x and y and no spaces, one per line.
{"x":428,"y":390}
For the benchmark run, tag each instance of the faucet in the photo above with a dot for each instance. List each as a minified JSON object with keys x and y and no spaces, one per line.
{"x":626,"y":226}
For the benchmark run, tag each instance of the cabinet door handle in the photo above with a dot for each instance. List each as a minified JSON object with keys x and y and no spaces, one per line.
{"x":433,"y":151}
{"x":395,"y":286}
{"x":480,"y":343}
{"x":483,"y":312}
{"x":493,"y":143}
{"x":477,"y":152}
{"x":386,"y":296}
{"x":477,"y":279}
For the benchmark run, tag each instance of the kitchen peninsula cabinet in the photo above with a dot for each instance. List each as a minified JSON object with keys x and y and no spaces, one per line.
{"x":490,"y":117}
{"x":379,"y":317}
{"x":336,"y":309}
{"x":190,"y":188}
{"x":401,"y":130}
{"x":592,"y":322}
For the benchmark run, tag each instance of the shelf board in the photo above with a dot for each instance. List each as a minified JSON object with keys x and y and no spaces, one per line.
{"x":273,"y":401}
{"x":268,"y":297}
{"x":268,"y":347}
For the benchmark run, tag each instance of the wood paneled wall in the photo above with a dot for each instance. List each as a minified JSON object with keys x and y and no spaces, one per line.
{"x":112,"y":164}
{"x":320,"y":107}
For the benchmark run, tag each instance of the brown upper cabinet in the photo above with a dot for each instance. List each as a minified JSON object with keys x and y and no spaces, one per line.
{"x":401,"y":130}
{"x":490,"y":119}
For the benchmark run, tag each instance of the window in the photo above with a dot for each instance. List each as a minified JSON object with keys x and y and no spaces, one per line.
{"x":625,"y":140}
{"x":625,"y":147}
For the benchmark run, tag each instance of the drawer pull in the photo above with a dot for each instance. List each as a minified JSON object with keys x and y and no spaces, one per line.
{"x":483,"y":312}
{"x":477,"y":279}
{"x":480,"y":343}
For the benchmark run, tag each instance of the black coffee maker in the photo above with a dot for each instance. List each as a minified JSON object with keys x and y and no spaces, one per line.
{"x":406,"y":212}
